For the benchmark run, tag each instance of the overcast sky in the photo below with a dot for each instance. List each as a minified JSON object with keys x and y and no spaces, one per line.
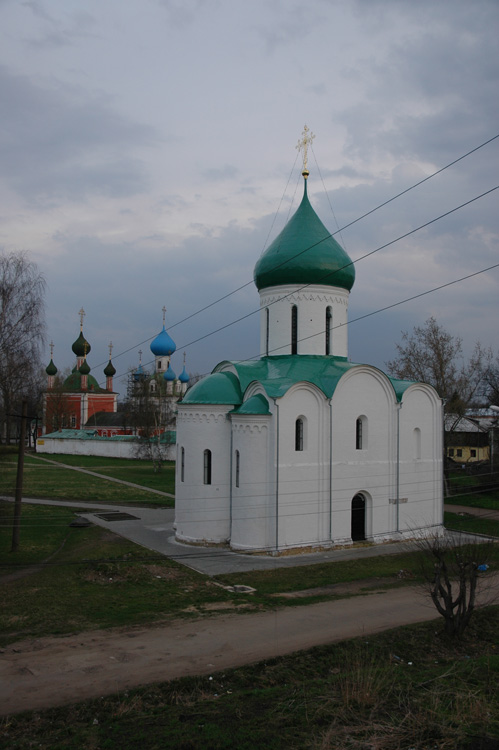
{"x":147,"y":152}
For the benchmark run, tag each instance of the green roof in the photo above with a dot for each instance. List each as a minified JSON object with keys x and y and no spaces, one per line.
{"x":304,"y":253}
{"x":86,"y":435}
{"x":256,"y":404}
{"x":217,"y":388}
{"x":73,"y":383}
{"x":278,"y":374}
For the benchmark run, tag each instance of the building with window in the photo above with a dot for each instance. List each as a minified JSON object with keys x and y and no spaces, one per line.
{"x":303,"y":448}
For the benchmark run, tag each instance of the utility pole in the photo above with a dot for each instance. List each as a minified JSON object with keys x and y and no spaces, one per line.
{"x":19,"y":481}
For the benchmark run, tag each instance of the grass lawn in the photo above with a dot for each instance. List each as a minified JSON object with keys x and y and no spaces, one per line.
{"x":408,"y":688}
{"x":473,"y":525}
{"x":44,"y":480}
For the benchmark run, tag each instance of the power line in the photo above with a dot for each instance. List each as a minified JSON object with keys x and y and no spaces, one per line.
{"x":363,"y":216}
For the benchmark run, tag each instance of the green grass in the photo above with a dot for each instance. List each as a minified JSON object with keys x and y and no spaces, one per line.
{"x":44,"y":480}
{"x":405,"y":688}
{"x":485,"y":526}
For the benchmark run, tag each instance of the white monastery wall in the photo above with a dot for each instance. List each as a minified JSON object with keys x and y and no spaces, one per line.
{"x":203,"y":509}
{"x":111,"y":448}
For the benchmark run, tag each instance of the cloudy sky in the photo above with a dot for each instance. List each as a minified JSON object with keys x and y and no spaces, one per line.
{"x":147,"y":152}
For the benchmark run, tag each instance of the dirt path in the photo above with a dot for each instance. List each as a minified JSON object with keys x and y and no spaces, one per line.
{"x":38,"y":674}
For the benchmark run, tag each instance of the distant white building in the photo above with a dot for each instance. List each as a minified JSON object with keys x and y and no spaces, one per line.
{"x":303,"y":448}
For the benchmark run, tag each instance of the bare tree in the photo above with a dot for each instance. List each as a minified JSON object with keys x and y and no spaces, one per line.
{"x":22,"y":327}
{"x":453,"y":568}
{"x":151,"y":413}
{"x":432,"y":355}
{"x":491,"y":377}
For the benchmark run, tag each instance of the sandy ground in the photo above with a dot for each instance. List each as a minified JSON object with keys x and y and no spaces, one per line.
{"x":38,"y":674}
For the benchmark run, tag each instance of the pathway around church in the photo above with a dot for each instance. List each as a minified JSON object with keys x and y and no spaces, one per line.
{"x":38,"y":674}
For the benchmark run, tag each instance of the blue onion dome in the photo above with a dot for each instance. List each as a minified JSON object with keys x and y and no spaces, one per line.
{"x":169,"y":375}
{"x":81,"y":347}
{"x":304,"y":253}
{"x":163,"y":345}
{"x":51,"y":369}
{"x":109,"y":370}
{"x":139,"y":373}
{"x":183,"y":377}
{"x":84,"y":368}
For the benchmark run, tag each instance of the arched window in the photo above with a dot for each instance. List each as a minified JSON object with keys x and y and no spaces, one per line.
{"x":299,"y":434}
{"x":237,"y":468}
{"x":207,"y":467}
{"x":267,"y":331}
{"x":361,"y":433}
{"x":182,"y":464}
{"x":294,"y":330}
{"x":329,"y":317}
{"x":417,"y":443}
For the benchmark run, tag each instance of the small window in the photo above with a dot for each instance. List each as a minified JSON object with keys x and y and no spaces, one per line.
{"x":207,"y":467}
{"x":361,"y":433}
{"x":294,"y":330}
{"x":237,"y":468}
{"x":459,"y":452}
{"x":329,"y":317}
{"x":182,"y":464}
{"x":358,"y":434}
{"x":267,"y":332}
{"x":159,"y":365}
{"x":473,"y":453}
{"x":451,"y":452}
{"x":73,"y":421}
{"x":299,"y":435}
{"x":417,"y":443}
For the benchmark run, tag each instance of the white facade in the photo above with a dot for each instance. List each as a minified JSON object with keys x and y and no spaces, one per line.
{"x":302,"y":448}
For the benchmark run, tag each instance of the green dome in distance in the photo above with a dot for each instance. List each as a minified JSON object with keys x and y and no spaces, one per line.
{"x":81,"y":347}
{"x":51,"y":369}
{"x":84,"y":368}
{"x":109,"y":370}
{"x":304,"y":253}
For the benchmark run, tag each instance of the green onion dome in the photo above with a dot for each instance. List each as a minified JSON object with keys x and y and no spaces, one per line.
{"x":84,"y":368}
{"x":81,"y":347}
{"x":304,"y":253}
{"x":51,"y":369}
{"x":109,"y":370}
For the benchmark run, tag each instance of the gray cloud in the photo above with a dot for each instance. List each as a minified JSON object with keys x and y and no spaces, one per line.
{"x":59,"y":143}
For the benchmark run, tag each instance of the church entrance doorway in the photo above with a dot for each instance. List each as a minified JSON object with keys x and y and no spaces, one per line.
{"x":358,"y":518}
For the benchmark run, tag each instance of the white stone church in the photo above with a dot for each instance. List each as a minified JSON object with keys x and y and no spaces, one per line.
{"x":303,"y":448}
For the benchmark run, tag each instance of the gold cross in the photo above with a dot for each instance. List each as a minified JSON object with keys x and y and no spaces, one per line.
{"x":110,"y":349}
{"x":82,"y":315}
{"x":51,"y":350}
{"x":304,"y":143}
{"x":164,"y":315}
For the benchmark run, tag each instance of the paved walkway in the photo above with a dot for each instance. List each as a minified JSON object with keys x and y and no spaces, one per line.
{"x":153,"y":528}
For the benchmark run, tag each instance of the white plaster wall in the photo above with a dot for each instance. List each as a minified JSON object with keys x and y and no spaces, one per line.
{"x":101,"y":447}
{"x":202,"y":512}
{"x":303,"y":513}
{"x":253,"y":502}
{"x":311,"y":302}
{"x":421,"y":483}
{"x":364,"y":391}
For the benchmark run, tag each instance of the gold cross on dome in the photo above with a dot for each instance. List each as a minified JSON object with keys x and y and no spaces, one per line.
{"x":51,"y":350}
{"x":164,"y":315}
{"x":110,"y":349}
{"x":82,"y":315}
{"x":304,"y":143}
